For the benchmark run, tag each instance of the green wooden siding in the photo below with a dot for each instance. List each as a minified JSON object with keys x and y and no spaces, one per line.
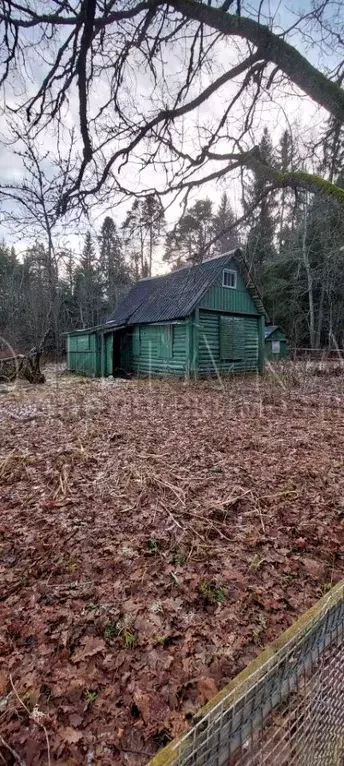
{"x":237,"y":300}
{"x":165,"y":341}
{"x":136,"y":345}
{"x":279,"y":336}
{"x":210,"y":359}
{"x":159,"y":349}
{"x":108,"y":341}
{"x":83,"y":353}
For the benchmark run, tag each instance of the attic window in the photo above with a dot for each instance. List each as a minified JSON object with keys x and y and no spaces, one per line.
{"x":229,"y":278}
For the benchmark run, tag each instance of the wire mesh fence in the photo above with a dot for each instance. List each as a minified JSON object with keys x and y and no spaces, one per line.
{"x":286,"y":708}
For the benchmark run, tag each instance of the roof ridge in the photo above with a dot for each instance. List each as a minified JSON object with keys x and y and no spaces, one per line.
{"x":222,"y":255}
{"x":191,"y":265}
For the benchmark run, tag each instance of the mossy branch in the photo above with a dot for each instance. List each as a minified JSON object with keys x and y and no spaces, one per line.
{"x":274,"y":48}
{"x":298,"y":179}
{"x":294,"y":179}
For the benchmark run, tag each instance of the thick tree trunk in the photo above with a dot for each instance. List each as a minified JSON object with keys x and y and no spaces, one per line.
{"x":31,"y":368}
{"x":21,"y":366}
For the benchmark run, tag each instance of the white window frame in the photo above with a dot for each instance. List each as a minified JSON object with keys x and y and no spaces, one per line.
{"x":229,"y":271}
{"x":276,"y":346}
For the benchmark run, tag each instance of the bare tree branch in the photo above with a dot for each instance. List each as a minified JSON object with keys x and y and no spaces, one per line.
{"x":97,"y":52}
{"x":300,"y":71}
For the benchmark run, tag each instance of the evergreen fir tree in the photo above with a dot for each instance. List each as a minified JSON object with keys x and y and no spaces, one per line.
{"x":142,"y":231}
{"x":88,"y":290}
{"x":189,"y":241}
{"x":88,"y":255}
{"x":114,"y":271}
{"x":223,"y":230}
{"x":332,"y":164}
{"x":260,"y":241}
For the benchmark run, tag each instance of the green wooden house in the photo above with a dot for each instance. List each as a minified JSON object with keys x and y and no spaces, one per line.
{"x":276,"y":346}
{"x":201,"y":320}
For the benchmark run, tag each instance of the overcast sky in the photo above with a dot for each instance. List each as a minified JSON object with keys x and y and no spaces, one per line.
{"x":285,"y":110}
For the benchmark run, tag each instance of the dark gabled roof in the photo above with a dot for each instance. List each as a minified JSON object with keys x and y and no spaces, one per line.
{"x":269,"y":329}
{"x":175,"y":295}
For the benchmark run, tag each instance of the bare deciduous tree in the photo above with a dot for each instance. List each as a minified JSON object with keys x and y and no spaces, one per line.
{"x":29,"y":208}
{"x":136,"y":68}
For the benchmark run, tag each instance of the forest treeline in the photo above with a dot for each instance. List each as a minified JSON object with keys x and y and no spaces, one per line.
{"x":293,"y":240}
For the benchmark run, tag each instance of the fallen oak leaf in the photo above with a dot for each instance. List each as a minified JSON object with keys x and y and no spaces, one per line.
{"x":70,"y":735}
{"x":92,"y":645}
{"x":174,"y":724}
{"x":314,"y":568}
{"x":142,"y":703}
{"x":207,"y":688}
{"x":75,"y":720}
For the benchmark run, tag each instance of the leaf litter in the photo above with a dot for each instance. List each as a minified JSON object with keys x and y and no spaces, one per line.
{"x":155,"y":536}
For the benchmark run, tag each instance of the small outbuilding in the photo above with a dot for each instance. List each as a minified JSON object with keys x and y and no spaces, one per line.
{"x":206,"y":319}
{"x":276,"y":346}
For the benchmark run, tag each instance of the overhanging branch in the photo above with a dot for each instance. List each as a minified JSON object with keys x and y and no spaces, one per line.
{"x":297,"y":179}
{"x":276,"y":50}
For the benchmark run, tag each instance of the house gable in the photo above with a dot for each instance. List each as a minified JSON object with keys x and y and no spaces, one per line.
{"x":235,"y":300}
{"x":276,"y":334}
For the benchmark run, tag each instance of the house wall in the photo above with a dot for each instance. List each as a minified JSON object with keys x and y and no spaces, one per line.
{"x":236,"y":300}
{"x":284,"y":351}
{"x":231,"y":302}
{"x":160,"y":349}
{"x":83,"y":354}
{"x":209,"y":345}
{"x":108,"y":354}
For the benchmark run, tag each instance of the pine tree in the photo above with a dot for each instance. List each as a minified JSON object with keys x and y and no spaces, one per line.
{"x":88,"y":290}
{"x":114,"y":271}
{"x":133,"y":236}
{"x":286,"y":161}
{"x":260,"y":241}
{"x":40,"y":305}
{"x":189,"y":242}
{"x":142,"y":230}
{"x":223,"y":229}
{"x":70,"y":268}
{"x":153,"y":223}
{"x":11,"y":294}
